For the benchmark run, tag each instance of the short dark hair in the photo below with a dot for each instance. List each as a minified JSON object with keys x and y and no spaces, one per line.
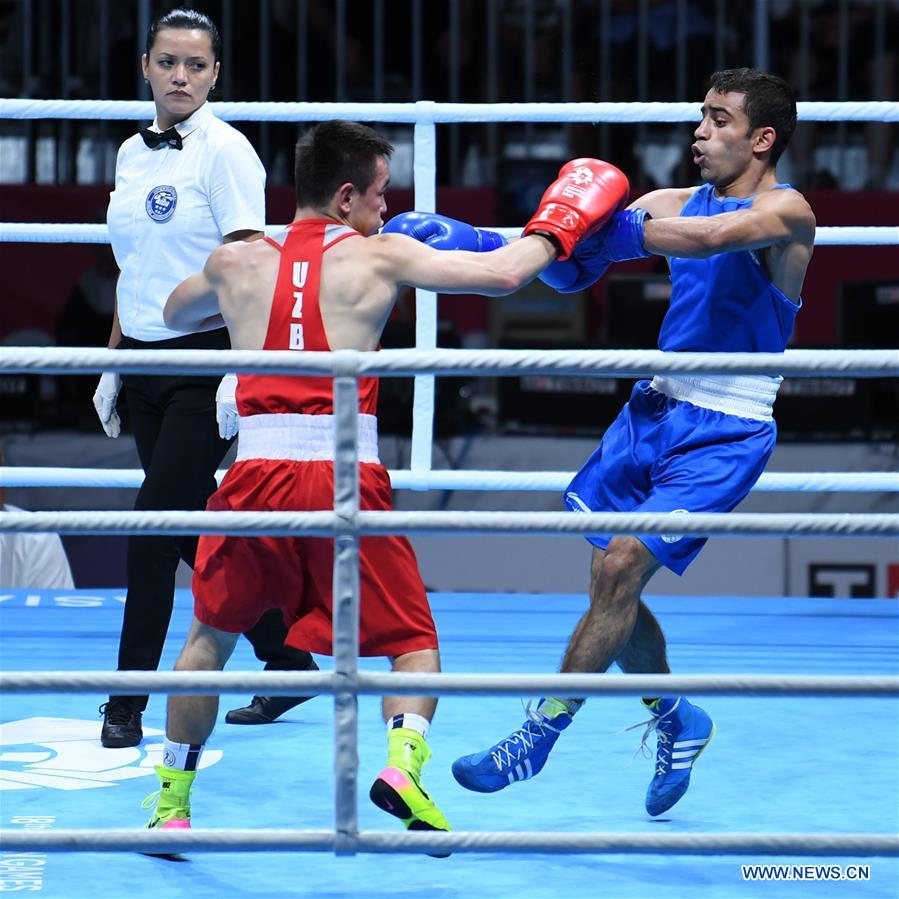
{"x":189,"y":19}
{"x":767,"y":100}
{"x":333,"y":153}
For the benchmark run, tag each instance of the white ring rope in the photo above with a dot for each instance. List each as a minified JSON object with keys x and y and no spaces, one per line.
{"x":467,"y":479}
{"x":769,"y":482}
{"x":327,"y":524}
{"x":247,"y":840}
{"x":825,"y":236}
{"x":427,"y":111}
{"x":379,"y":683}
{"x":399,"y":363}
{"x":68,"y":232}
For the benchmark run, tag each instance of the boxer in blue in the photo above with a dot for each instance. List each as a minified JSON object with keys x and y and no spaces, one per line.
{"x":738,"y":248}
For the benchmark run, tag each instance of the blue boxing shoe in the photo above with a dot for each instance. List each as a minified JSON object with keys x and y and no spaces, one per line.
{"x":682,"y":733}
{"x":521,"y":755}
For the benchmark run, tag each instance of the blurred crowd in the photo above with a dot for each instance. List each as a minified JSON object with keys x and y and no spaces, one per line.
{"x":503,"y":50}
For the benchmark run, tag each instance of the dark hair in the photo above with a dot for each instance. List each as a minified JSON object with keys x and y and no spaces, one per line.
{"x":767,"y":100}
{"x":333,"y":153}
{"x":188,"y":19}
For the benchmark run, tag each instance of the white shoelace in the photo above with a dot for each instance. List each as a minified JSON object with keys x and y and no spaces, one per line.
{"x":522,"y":740}
{"x":663,"y":750}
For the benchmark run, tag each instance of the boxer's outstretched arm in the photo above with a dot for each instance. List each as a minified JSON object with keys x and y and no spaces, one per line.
{"x":778,"y":217}
{"x":664,"y":202}
{"x":496,"y":273}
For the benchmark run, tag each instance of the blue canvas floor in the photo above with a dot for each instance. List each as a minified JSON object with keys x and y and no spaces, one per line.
{"x":776,"y":765}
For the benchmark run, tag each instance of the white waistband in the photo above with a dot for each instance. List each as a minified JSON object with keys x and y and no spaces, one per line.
{"x":300,"y":438}
{"x":750,"y":396}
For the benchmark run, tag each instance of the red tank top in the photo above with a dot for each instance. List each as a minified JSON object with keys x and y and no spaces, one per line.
{"x":295,"y":323}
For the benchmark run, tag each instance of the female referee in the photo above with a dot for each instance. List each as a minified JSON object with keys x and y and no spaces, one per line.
{"x":182,"y":187}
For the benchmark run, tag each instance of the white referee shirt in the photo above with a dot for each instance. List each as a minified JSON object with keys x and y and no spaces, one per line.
{"x":171,"y":208}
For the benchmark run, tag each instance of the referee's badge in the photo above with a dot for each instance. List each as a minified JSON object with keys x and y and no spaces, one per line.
{"x":161,"y":202}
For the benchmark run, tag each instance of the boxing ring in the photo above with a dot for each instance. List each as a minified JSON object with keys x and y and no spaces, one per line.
{"x":806,"y":773}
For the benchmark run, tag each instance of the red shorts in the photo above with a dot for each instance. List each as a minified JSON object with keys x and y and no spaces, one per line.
{"x":236,"y":579}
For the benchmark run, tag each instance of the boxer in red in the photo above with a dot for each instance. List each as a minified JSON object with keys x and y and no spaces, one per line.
{"x":328,"y":281}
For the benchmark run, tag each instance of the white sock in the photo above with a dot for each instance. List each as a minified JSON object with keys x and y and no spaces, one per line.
{"x":410,"y":720}
{"x":181,"y":756}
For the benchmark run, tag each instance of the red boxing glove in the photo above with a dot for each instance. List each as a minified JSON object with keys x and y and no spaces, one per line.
{"x":582,"y":199}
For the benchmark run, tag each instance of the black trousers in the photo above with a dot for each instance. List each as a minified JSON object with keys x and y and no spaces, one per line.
{"x":173,"y":419}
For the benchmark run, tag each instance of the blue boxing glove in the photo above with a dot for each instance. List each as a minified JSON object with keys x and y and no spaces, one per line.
{"x":620,"y":239}
{"x":443,"y":233}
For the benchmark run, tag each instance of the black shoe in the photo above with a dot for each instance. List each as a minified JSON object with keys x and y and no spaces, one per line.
{"x":121,"y":724}
{"x":265,"y":709}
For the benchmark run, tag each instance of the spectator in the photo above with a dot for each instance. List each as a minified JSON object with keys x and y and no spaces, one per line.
{"x":31,"y":560}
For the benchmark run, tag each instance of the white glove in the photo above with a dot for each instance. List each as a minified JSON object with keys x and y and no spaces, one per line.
{"x":104,"y":402}
{"x":226,"y":407}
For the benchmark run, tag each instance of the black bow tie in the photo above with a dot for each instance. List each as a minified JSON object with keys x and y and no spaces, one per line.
{"x":154,"y":139}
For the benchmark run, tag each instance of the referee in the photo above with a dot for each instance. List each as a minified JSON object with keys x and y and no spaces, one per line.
{"x":182,"y":187}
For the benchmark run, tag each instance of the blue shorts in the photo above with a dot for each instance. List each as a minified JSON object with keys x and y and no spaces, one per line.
{"x":664,"y":455}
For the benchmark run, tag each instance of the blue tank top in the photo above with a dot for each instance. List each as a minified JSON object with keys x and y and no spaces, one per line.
{"x":725,"y":303}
